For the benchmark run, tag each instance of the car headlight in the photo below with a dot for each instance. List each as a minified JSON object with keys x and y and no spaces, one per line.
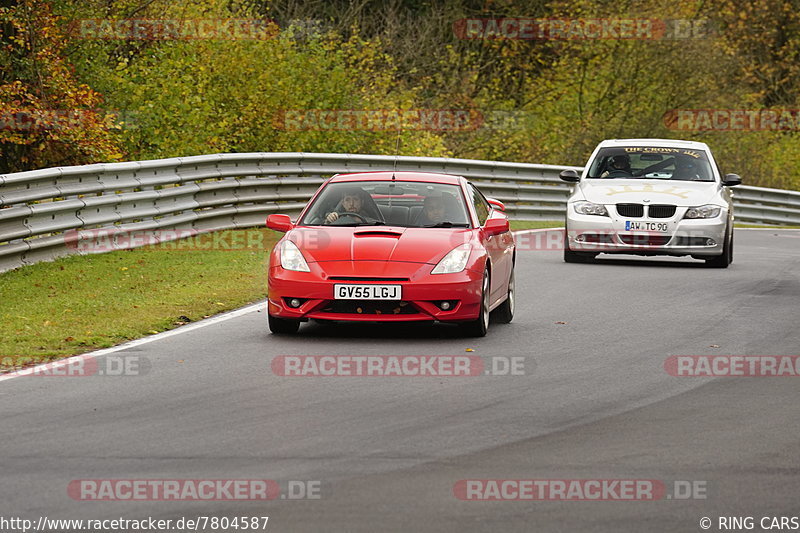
{"x":588,"y":208}
{"x":704,"y":211}
{"x":455,"y":261}
{"x":292,"y":259}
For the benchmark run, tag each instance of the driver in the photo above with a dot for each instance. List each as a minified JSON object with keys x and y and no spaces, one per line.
{"x":618,"y":163}
{"x":352,"y":202}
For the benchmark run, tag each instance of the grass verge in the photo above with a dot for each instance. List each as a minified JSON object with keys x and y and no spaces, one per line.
{"x":517,"y":225}
{"x":81,"y":303}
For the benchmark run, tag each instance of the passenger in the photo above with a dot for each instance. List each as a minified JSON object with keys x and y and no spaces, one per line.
{"x":685,"y":169}
{"x":433,"y":211}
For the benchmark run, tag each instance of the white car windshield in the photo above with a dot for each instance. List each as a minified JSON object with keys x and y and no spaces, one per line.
{"x":651,"y":162}
{"x":396,"y":203}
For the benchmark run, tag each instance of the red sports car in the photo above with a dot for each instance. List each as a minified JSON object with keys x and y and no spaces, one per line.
{"x":393,"y":246}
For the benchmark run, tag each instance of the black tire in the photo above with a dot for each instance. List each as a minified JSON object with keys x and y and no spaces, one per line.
{"x":726,"y":258}
{"x":505,"y":311}
{"x":479,"y":326}
{"x":283,"y":326}
{"x":576,"y":257}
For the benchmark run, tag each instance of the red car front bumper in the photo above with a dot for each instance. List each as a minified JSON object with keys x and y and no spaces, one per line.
{"x":422,"y":293}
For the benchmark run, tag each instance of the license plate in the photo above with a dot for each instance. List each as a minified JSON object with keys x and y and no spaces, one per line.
{"x":637,"y":225}
{"x":367,"y":292}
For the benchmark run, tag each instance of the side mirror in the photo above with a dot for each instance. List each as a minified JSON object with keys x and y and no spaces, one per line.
{"x":279,"y":223}
{"x":497,"y":204}
{"x":731,"y":180}
{"x":496,"y":226}
{"x":570,"y":176}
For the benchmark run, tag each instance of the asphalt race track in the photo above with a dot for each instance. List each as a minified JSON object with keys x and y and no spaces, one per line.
{"x":594,"y":402}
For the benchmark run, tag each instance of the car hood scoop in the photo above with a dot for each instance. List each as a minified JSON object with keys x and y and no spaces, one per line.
{"x":378,"y":233}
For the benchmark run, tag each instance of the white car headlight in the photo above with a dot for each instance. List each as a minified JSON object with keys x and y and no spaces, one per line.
{"x":588,"y":208}
{"x":292,"y":259}
{"x":704,"y":211}
{"x":455,"y":261}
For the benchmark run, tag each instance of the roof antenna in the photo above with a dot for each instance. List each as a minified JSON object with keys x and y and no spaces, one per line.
{"x":396,"y":152}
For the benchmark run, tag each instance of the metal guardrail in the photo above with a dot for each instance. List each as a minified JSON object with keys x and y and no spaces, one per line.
{"x":40,"y":209}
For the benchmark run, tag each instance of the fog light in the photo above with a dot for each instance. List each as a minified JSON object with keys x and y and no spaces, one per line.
{"x":711,"y":242}
{"x":580,"y":238}
{"x":445,"y":306}
{"x":294,"y":302}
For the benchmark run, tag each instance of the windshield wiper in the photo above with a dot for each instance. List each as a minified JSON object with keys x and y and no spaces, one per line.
{"x":447,"y":225}
{"x":354,"y":224}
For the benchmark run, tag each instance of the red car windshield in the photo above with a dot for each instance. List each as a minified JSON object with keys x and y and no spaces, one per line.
{"x":396,"y":203}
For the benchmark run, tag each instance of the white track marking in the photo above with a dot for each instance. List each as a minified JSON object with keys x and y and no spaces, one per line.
{"x":138,"y":342}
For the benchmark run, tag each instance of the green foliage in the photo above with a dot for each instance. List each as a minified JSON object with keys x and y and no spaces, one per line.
{"x":207,"y":96}
{"x":548,"y":101}
{"x":49,"y":118}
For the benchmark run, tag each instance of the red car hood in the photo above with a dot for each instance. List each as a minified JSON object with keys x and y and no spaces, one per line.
{"x":378,"y":243}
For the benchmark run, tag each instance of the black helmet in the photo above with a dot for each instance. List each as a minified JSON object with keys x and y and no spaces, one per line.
{"x":620,"y":162}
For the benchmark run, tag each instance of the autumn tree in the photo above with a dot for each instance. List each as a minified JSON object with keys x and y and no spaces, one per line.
{"x":47,"y":117}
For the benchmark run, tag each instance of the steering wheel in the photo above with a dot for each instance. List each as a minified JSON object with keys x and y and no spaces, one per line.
{"x":619,"y":174}
{"x":351,"y":214}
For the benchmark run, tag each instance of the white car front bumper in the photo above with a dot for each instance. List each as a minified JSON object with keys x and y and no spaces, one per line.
{"x":644,"y":235}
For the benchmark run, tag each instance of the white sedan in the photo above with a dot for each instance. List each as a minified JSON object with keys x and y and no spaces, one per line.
{"x":650,"y":197}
